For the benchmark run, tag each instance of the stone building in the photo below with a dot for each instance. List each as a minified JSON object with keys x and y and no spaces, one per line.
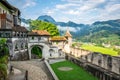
{"x":40,"y":38}
{"x":62,"y":42}
{"x":11,"y":29}
{"x":58,"y":41}
{"x":68,"y":36}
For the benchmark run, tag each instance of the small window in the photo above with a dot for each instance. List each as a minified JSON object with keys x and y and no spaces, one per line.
{"x":18,"y":34}
{"x":0,"y":34}
{"x":22,"y":46}
{"x":14,"y":34}
{"x":0,"y":10}
{"x":3,"y":11}
{"x":50,"y":54}
{"x":32,"y":37}
{"x":7,"y":34}
{"x":39,"y":38}
{"x":16,"y":47}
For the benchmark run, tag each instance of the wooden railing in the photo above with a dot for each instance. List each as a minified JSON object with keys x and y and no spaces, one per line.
{"x":6,"y":21}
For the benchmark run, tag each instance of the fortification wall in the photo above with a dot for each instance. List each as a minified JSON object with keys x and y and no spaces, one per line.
{"x":106,"y":64}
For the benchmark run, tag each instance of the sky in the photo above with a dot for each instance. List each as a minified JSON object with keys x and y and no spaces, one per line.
{"x":79,"y":11}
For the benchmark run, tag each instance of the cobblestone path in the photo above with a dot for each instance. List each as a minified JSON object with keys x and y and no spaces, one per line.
{"x":36,"y":69}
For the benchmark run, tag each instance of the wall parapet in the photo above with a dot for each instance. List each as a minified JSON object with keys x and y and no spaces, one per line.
{"x":51,"y":70}
{"x":96,"y":70}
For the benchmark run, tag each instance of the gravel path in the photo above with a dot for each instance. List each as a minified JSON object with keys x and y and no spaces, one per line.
{"x":35,"y":71}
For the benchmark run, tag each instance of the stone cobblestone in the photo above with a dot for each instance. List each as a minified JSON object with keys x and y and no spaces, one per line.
{"x":34,"y":72}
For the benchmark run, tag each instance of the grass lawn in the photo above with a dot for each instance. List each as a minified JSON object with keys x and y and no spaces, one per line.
{"x":100,"y":49}
{"x":77,"y":73}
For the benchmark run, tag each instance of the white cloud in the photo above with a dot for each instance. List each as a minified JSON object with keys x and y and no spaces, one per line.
{"x":72,"y":12}
{"x":72,"y":29}
{"x":29,"y":3}
{"x":114,"y":7}
{"x":89,"y":11}
{"x":66,"y":6}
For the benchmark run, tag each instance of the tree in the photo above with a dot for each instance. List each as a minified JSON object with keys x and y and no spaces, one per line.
{"x":3,"y":58}
{"x":41,"y":25}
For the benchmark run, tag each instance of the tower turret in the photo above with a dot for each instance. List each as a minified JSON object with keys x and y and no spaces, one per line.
{"x":68,"y":36}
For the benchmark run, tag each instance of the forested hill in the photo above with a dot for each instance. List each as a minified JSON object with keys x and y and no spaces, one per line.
{"x":98,"y":32}
{"x":104,"y":32}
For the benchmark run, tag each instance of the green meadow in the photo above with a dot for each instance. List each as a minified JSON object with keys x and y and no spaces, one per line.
{"x":102,"y":50}
{"x":77,"y":73}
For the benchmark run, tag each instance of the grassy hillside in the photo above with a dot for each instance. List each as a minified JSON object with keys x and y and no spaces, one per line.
{"x":99,"y":49}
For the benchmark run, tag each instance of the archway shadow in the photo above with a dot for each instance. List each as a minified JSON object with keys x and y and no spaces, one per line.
{"x":36,"y":52}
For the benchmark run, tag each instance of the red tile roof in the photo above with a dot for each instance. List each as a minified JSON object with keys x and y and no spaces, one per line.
{"x":39,"y":33}
{"x":58,"y":38}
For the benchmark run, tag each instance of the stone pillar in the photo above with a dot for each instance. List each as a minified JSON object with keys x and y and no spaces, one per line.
{"x":29,"y":51}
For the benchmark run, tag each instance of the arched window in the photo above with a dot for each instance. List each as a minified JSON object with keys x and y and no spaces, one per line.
{"x":22,"y":46}
{"x":51,"y":51}
{"x":16,"y":47}
{"x":109,"y":60}
{"x":92,"y":56}
{"x":86,"y":57}
{"x":60,"y":52}
{"x":100,"y":60}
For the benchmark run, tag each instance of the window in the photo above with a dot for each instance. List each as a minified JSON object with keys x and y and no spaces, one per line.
{"x":39,"y":38}
{"x":0,"y":10}
{"x":7,"y":34}
{"x":0,"y":34}
{"x":32,"y":37}
{"x":14,"y":34}
{"x":22,"y":46}
{"x":18,"y":34}
{"x":99,"y":62}
{"x":50,"y":54}
{"x":16,"y":47}
{"x":109,"y":60}
{"x":51,"y":51}
{"x":3,"y":11}
{"x":60,"y":52}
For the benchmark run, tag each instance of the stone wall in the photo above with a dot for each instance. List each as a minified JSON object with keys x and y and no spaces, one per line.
{"x":105,"y":64}
{"x":78,"y":52}
{"x":20,"y":56}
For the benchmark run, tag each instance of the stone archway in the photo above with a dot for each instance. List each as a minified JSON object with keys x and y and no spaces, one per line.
{"x":36,"y":51}
{"x":43,"y":46}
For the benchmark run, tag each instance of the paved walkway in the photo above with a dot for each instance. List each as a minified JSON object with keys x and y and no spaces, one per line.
{"x":37,"y":70}
{"x":17,"y":75}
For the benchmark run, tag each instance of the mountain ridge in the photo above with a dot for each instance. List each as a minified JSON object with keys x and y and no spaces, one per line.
{"x":98,"y":30}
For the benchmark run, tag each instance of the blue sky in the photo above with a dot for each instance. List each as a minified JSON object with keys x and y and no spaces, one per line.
{"x":79,"y":11}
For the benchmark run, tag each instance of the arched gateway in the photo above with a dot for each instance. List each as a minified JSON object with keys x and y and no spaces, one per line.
{"x":42,"y":46}
{"x":36,"y":52}
{"x":41,"y":39}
